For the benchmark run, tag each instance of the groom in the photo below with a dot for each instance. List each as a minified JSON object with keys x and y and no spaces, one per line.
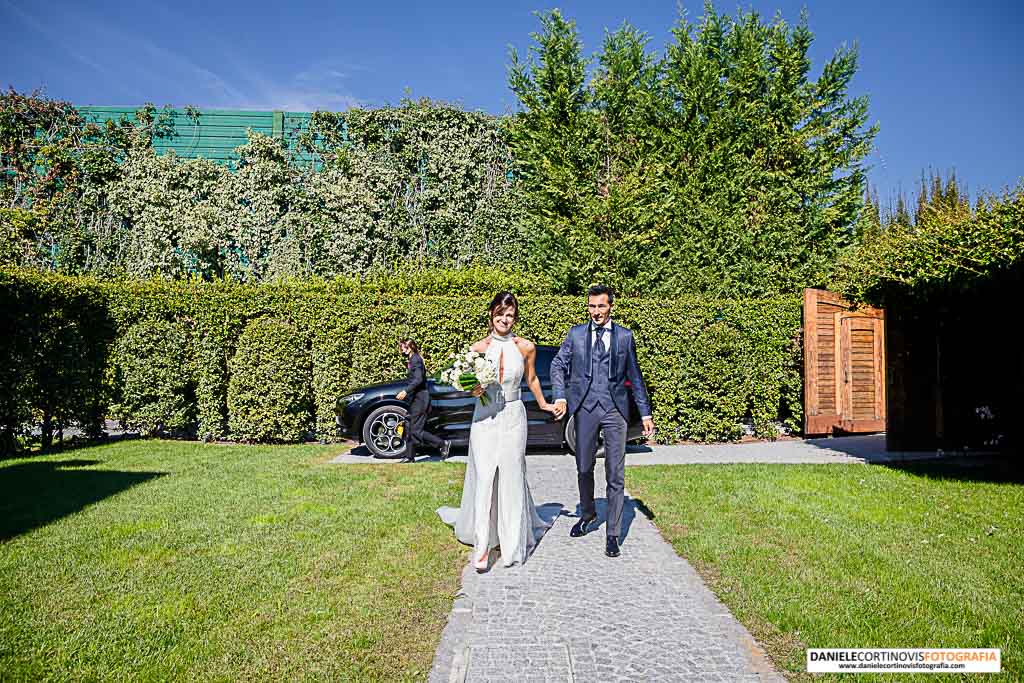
{"x":598,"y":359}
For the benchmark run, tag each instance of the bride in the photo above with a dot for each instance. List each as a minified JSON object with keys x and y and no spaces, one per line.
{"x":497,"y":508}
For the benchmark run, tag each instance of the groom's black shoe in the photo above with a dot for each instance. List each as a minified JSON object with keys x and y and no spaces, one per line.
{"x":611,"y":548}
{"x":583,"y":526}
{"x":446,"y":448}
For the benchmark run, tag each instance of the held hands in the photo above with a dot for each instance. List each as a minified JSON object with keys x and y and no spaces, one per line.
{"x":401,"y":395}
{"x":558,"y":408}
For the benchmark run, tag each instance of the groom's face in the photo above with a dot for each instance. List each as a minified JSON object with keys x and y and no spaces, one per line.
{"x":599,"y":308}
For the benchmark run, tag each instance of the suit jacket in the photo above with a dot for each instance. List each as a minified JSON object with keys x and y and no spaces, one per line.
{"x":416,"y":377}
{"x":571,"y":368}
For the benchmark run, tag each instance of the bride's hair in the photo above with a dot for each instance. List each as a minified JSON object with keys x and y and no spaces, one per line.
{"x":500,"y":302}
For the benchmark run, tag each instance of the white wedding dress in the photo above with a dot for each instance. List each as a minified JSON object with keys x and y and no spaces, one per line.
{"x":497,"y":508}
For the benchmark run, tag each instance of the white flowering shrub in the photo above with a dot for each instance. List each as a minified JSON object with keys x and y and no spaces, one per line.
{"x":423,"y":183}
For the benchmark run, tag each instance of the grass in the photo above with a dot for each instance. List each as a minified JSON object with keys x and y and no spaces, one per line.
{"x":157,"y":560}
{"x":851,"y":556}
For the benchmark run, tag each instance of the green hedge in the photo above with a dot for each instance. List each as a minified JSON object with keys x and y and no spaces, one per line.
{"x":709,"y":365}
{"x":155,"y":372}
{"x":268,"y":393}
{"x":54,"y":349}
{"x":949,"y":249}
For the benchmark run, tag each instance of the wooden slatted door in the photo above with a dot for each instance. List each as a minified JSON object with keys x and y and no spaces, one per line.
{"x":844,"y":365}
{"x":861,"y":353}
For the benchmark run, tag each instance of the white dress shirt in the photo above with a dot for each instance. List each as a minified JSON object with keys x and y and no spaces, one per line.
{"x":606,"y":339}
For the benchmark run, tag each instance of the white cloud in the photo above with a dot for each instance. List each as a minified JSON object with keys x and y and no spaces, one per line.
{"x":317,"y":86}
{"x":57,"y":39}
{"x":142,"y":65}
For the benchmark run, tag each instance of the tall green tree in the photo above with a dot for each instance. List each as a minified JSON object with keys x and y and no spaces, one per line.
{"x":556,"y":145}
{"x":869,"y":225}
{"x":588,"y":153}
{"x":631,"y":211}
{"x":719,"y":168}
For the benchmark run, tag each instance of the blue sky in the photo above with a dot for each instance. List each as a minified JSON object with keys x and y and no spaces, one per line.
{"x":945,"y":79}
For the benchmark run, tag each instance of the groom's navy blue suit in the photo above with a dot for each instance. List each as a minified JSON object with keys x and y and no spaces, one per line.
{"x":590,"y":372}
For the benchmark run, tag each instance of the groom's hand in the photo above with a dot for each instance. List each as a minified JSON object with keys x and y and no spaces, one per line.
{"x":559,"y":410}
{"x":648,"y":427}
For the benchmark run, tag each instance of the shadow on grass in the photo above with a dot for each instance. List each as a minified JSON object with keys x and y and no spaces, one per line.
{"x":34,"y":494}
{"x":72,"y":443}
{"x":999,"y":469}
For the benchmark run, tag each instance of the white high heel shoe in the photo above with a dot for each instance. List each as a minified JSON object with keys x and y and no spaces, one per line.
{"x":480,"y":564}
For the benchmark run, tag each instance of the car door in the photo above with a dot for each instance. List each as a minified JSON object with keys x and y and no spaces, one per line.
{"x":451,"y":410}
{"x":544,"y":429}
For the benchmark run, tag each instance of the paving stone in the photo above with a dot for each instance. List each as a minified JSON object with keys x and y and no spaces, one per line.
{"x":570,"y":613}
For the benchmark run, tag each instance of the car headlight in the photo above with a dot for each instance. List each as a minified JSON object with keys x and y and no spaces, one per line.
{"x":351,"y":398}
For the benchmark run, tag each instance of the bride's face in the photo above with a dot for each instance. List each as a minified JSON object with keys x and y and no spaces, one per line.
{"x":502,"y":320}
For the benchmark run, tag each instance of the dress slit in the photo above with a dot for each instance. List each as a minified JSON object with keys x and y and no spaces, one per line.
{"x":497,"y":508}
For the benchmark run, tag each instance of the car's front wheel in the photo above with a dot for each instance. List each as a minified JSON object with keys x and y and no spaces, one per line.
{"x":383,"y":431}
{"x":570,"y":438}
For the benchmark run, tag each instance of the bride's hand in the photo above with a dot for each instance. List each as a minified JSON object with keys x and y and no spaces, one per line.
{"x":477,"y":391}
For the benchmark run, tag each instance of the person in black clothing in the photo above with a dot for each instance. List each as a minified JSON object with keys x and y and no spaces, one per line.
{"x":416,"y":393}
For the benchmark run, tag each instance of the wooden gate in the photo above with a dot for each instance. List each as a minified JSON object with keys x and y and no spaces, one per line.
{"x":844,"y":365}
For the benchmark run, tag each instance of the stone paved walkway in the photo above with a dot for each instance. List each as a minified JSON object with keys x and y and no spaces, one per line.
{"x":572,"y":614}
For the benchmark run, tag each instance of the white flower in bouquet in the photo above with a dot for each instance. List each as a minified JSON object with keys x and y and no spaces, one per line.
{"x":469,"y":369}
{"x":484,"y":372}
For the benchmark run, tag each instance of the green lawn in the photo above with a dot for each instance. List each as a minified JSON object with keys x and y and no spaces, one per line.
{"x":850,"y":555}
{"x":159,"y":560}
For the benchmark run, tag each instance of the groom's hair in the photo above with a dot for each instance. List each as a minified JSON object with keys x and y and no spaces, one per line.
{"x":598,"y":290}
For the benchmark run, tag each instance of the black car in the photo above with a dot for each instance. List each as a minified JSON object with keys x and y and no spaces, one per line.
{"x":373,"y":416}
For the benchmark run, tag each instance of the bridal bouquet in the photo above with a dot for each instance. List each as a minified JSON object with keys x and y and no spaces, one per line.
{"x":470,"y":368}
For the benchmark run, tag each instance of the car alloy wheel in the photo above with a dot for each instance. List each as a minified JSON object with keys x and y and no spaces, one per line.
{"x":383,"y":432}
{"x":570,"y":438}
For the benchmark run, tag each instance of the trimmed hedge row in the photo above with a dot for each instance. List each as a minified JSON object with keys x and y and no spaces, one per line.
{"x":266,"y":363}
{"x":155,"y":373}
{"x":268,"y":390}
{"x":56,"y":336}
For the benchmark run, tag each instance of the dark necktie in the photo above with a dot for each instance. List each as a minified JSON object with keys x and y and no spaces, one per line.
{"x":599,"y":343}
